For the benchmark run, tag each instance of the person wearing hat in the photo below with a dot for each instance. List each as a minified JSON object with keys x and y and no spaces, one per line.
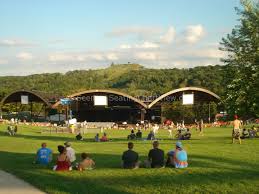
{"x":236,"y":129}
{"x":178,"y":157}
{"x":71,"y":154}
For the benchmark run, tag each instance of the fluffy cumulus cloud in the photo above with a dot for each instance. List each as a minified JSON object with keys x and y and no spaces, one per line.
{"x":24,"y":56}
{"x":194,"y":33}
{"x":169,"y":36}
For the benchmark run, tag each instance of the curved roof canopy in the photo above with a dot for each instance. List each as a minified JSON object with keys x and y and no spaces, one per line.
{"x":210,"y":96}
{"x":32,"y":96}
{"x":105,"y":91}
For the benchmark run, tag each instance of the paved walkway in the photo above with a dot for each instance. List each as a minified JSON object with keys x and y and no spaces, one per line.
{"x":9,"y":184}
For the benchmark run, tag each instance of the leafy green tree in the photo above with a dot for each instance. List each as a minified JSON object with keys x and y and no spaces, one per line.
{"x":242,"y":47}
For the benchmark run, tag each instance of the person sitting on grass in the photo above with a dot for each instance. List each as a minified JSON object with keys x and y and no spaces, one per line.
{"x":130,"y":158}
{"x":63,"y":162}
{"x":151,"y":136}
{"x":79,"y":137}
{"x":187,"y":135}
{"x":252,"y":132}
{"x":132,"y":135}
{"x":71,"y":154}
{"x":139,"y":134}
{"x":96,"y":137}
{"x":178,"y":157}
{"x":156,"y":156}
{"x":86,"y":164}
{"x":12,"y":130}
{"x":245,"y":134}
{"x":44,"y":155}
{"x":179,"y":134}
{"x":104,"y":138}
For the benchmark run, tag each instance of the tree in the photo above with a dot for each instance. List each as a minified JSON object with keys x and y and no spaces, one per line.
{"x":242,"y":47}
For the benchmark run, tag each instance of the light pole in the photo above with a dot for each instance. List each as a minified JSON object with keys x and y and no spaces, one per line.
{"x":209,"y":112}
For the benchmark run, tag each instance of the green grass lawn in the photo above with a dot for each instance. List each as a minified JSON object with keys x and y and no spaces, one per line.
{"x":215,"y":165}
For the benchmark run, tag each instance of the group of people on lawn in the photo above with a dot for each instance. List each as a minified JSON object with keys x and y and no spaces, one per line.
{"x":181,"y":135}
{"x":175,"y":158}
{"x":237,"y":134}
{"x":97,"y":138}
{"x":66,"y":160}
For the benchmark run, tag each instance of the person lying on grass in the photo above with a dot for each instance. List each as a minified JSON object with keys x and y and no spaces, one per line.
{"x":86,"y":164}
{"x":44,"y":155}
{"x":156,"y":156}
{"x":63,"y":162}
{"x":130,"y":158}
{"x":178,"y":157}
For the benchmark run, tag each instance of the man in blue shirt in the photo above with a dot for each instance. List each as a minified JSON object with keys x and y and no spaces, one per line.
{"x":44,"y":155}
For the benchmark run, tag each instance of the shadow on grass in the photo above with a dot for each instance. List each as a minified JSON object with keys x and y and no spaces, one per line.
{"x":109,"y":178}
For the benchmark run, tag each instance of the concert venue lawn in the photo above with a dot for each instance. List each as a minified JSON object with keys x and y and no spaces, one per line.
{"x":215,"y":165}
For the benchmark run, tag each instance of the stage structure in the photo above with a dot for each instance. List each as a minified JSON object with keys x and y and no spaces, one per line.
{"x":25,"y":102}
{"x":186,"y":96}
{"x":106,"y":106}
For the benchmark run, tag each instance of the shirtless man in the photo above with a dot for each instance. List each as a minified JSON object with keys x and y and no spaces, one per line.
{"x":236,"y":129}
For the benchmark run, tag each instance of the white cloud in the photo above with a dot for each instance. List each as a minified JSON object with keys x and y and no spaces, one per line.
{"x":169,"y":36}
{"x":24,"y":56}
{"x":16,"y":43}
{"x":144,"y":45}
{"x":96,"y":56}
{"x":82,"y":57}
{"x":125,"y":46}
{"x":60,"y":57}
{"x":112,"y":56}
{"x":194,"y":33}
{"x":135,"y":30}
{"x":210,"y":53}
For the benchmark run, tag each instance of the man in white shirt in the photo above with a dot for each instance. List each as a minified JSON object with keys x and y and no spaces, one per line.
{"x":71,"y":154}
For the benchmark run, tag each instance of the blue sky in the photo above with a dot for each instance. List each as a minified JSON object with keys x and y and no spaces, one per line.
{"x":61,"y":35}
